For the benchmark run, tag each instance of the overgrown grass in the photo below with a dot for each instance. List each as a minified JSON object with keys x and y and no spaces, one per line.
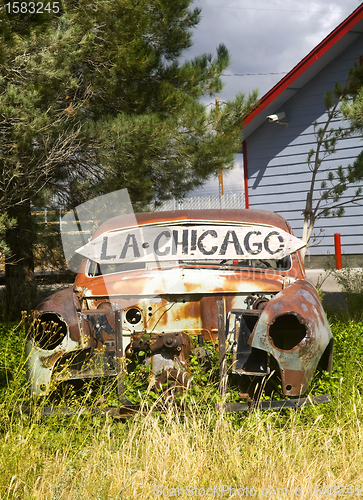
{"x":92,"y":457}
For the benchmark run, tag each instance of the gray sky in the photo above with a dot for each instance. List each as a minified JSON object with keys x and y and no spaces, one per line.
{"x":264,"y":36}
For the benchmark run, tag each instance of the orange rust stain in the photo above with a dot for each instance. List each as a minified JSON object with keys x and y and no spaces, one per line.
{"x":208,"y":312}
{"x":229,"y":302}
{"x":160,"y":317}
{"x":191,"y":287}
{"x":189,"y":311}
{"x":251,"y":279}
{"x":49,"y":361}
{"x":192,"y":310}
{"x":296,"y":379}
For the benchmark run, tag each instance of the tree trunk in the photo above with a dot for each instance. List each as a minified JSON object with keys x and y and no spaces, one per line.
{"x":308,"y":224}
{"x":20,"y":287}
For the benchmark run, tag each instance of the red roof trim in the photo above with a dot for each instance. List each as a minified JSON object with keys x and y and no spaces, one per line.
{"x":305,"y":63}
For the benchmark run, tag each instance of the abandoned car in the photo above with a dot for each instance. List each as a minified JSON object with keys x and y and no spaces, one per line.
{"x":168,"y":284}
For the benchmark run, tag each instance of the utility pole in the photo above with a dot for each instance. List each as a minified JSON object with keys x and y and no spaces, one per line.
{"x":220,"y":174}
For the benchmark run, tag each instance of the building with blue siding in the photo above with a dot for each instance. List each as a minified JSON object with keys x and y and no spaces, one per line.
{"x":275,"y":154}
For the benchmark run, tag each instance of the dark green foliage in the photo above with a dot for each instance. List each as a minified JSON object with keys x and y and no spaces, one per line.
{"x":114,"y":90}
{"x":348,"y":351}
{"x":95,"y":98}
{"x":203,"y":375}
{"x":38,"y":138}
{"x":12,"y":360}
{"x":6,"y":223}
{"x":347,"y":370}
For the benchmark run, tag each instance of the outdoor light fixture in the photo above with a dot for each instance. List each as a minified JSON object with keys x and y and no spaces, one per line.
{"x":276,"y":118}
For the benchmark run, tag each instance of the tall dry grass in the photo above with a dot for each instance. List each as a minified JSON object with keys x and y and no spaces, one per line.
{"x":77,"y":459}
{"x":198,"y":453}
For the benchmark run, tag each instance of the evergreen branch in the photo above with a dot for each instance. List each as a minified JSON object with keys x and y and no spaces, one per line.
{"x":341,"y":204}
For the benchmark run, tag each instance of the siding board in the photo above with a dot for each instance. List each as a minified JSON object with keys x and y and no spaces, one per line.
{"x":277,"y":159}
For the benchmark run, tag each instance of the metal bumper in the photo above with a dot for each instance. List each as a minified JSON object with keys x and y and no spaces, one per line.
{"x":277,"y":405}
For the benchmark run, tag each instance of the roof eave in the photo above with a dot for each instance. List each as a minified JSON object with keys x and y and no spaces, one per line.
{"x":334,"y":44}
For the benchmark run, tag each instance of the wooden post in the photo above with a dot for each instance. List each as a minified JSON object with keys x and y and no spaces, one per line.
{"x":222,"y":348}
{"x":220,"y":173}
{"x":119,"y":354}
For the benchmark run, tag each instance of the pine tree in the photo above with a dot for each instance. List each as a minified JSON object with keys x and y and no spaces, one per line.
{"x":95,"y":98}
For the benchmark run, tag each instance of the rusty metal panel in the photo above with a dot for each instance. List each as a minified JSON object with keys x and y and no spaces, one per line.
{"x":297,"y":350}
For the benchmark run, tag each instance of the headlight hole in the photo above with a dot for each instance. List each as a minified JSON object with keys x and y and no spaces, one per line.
{"x":48,"y":330}
{"x":286,"y":332}
{"x":133,"y":316}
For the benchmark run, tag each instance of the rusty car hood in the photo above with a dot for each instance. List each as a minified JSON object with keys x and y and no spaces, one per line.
{"x":181,"y":281}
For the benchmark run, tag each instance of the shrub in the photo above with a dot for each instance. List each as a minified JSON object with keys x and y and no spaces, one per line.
{"x":351,"y":280}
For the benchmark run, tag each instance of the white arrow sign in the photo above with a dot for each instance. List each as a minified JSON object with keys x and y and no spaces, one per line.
{"x":190,"y":242}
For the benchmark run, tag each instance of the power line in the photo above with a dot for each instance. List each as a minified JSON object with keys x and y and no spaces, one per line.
{"x":255,"y":74}
{"x":276,"y":10}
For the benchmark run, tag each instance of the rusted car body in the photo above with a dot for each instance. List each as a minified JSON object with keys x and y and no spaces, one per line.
{"x":186,"y":278}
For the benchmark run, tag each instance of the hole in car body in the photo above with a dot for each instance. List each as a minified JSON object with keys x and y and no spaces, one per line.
{"x":287,"y":331}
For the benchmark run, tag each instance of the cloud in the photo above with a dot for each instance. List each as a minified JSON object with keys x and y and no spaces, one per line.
{"x":264,"y":38}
